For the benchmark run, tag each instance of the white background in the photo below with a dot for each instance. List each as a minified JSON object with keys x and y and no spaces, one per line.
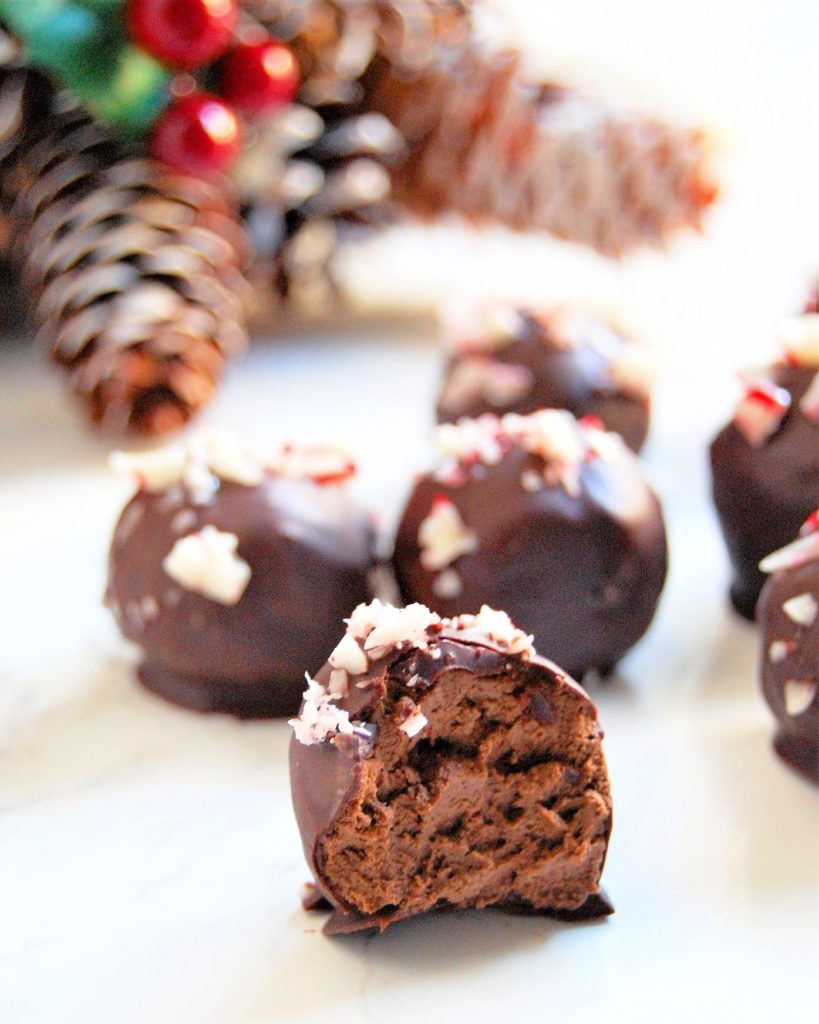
{"x":149,"y":865}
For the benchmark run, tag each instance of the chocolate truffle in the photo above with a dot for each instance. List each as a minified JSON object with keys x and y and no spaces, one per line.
{"x":514,"y":360}
{"x":548,"y":517}
{"x":443,"y":764}
{"x":788,"y":615}
{"x":765,"y":462}
{"x":231,"y":574}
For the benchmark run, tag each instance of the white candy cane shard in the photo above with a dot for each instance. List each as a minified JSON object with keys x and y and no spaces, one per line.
{"x":349,"y":656}
{"x":798,"y":696}
{"x":800,"y":336}
{"x":443,"y":536}
{"x":319,"y":719}
{"x":448,"y":585}
{"x":207,"y":563}
{"x":759,"y":414}
{"x":413,"y":723}
{"x":801,"y":609}
{"x":499,"y":627}
{"x":338,"y":685}
{"x":802,"y":550}
{"x":152,"y":470}
{"x":226,"y":457}
{"x":778,"y":651}
{"x":399,"y":627}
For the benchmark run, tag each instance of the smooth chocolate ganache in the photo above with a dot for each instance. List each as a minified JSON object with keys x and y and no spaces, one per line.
{"x":231,"y":574}
{"x":765,"y":462}
{"x":545,"y":516}
{"x":442,"y":764}
{"x":508,"y":359}
{"x":788,"y":615}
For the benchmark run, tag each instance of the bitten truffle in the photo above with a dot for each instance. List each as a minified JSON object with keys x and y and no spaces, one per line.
{"x":443,"y":764}
{"x":513,"y":360}
{"x":231,"y":574}
{"x":788,"y":615}
{"x":545,"y":516}
{"x":765,"y":462}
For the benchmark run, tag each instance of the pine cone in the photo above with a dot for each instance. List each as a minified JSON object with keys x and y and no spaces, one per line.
{"x":317,"y":175}
{"x":485,"y":144}
{"x":134,"y":271}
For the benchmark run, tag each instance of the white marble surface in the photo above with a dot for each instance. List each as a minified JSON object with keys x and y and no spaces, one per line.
{"x":149,"y":863}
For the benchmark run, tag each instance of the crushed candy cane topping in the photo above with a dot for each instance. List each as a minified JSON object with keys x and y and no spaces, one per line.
{"x":482,"y":379}
{"x":207,"y":563}
{"x":554,"y":435}
{"x":800,"y":337}
{"x":486,"y":326}
{"x":760,"y":412}
{"x":778,"y":650}
{"x":798,"y":696}
{"x":443,"y":536}
{"x":801,"y":609}
{"x":319,"y":719}
{"x":376,"y":629}
{"x":207,"y":457}
{"x":322,"y":465}
{"x":413,"y":723}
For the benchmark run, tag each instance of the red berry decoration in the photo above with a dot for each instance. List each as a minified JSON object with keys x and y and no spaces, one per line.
{"x":198,"y":134}
{"x":183,"y":34}
{"x":259,"y":77}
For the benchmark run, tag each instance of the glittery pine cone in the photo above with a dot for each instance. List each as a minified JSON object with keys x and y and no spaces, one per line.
{"x":134,"y":272}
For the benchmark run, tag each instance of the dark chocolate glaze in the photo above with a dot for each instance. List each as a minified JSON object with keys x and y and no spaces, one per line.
{"x":310,"y":551}
{"x":577,"y":378}
{"x":325,"y":776}
{"x":797,"y":736}
{"x":763,"y":495}
{"x":583,"y":574}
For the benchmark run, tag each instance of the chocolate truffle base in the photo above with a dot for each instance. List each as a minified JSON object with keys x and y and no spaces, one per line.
{"x":268,"y":698}
{"x":798,"y":754}
{"x":340,"y":922}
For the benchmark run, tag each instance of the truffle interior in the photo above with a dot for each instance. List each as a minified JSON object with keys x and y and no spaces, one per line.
{"x":502,"y":799}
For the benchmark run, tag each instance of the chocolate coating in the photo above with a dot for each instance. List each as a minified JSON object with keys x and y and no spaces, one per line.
{"x":556,"y":373}
{"x":763,"y":494}
{"x":582,"y":573}
{"x":501,"y":800}
{"x":796,"y":666}
{"x":310,"y":551}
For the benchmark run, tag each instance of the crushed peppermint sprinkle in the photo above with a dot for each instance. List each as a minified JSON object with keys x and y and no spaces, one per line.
{"x":798,"y":696}
{"x":804,"y":549}
{"x":413,"y":723}
{"x":207,"y":457}
{"x":487,"y":326}
{"x":531,"y":481}
{"x":207,"y":563}
{"x":338,"y":686}
{"x":349,"y":656}
{"x":470,"y":441}
{"x":760,"y":412}
{"x":481,"y":379}
{"x":399,"y":627}
{"x":800,"y":337}
{"x":801,"y":609}
{"x":498,"y":627}
{"x":382,"y":628}
{"x":322,"y":465}
{"x":448,"y":585}
{"x":809,"y":403}
{"x":443,"y":536}
{"x":778,"y":650}
{"x":554,"y":435}
{"x":319,"y":718}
